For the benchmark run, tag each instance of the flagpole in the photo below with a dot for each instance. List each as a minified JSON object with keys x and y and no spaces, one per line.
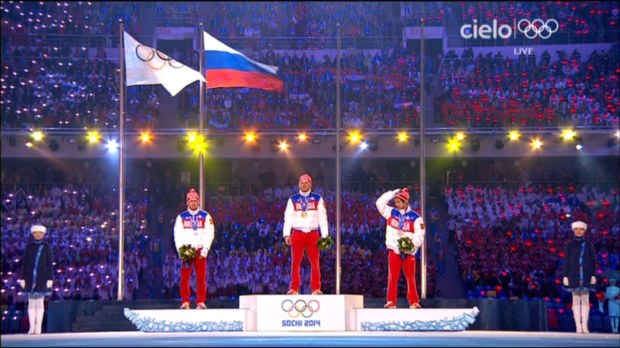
{"x":422,"y":162}
{"x":338,"y":127}
{"x":121,"y":166}
{"x":202,"y":112}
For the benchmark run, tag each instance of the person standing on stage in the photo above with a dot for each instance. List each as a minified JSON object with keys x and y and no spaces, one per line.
{"x":194,"y":227}
{"x":37,"y":276}
{"x":305,"y":220}
{"x":612,"y":294}
{"x":579,"y":271}
{"x":402,"y":222}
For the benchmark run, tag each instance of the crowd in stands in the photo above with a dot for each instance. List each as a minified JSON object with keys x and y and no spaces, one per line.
{"x":62,"y":86}
{"x":68,"y":18}
{"x":495,"y":91}
{"x":510,"y":238}
{"x":54,"y":88}
{"x":284,"y":19}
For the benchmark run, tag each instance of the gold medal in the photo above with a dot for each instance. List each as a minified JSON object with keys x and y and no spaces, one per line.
{"x":304,"y":214}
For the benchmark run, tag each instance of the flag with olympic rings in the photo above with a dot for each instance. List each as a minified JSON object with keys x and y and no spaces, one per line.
{"x":145,"y":65}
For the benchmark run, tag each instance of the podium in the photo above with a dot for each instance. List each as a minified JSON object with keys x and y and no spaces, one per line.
{"x":302,"y":313}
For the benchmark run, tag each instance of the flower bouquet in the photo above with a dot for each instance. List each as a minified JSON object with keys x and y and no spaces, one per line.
{"x":325,"y":243}
{"x":404,"y":245}
{"x":187,"y":253}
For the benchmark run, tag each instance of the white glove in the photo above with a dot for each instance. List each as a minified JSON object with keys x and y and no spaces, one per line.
{"x":49,"y":284}
{"x":565,"y":281}
{"x":204,"y":252}
{"x":22,"y":283}
{"x":592,"y":280}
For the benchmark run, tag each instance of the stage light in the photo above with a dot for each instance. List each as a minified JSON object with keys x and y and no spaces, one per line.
{"x":355,"y":137}
{"x":145,"y":137}
{"x":402,"y":137}
{"x":454,"y":145}
{"x":191,"y":137}
{"x":53,"y":145}
{"x":302,"y":137}
{"x":250,"y":137}
{"x":460,"y":136}
{"x":514,"y":135}
{"x":579,"y":142}
{"x":475,"y":144}
{"x":283,"y":146}
{"x":112,"y":145}
{"x":536,"y":144}
{"x":568,"y":134}
{"x":93,"y":137}
{"x":37,"y":135}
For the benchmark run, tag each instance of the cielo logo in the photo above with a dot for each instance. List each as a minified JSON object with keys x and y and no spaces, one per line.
{"x":300,"y":307}
{"x":530,"y":28}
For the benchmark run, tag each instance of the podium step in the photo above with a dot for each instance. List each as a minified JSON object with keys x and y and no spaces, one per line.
{"x":405,"y":319}
{"x":192,"y":320}
{"x":301,"y":312}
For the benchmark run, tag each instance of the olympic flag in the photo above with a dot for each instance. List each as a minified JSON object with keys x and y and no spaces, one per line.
{"x":148,"y":66}
{"x":227,"y":67}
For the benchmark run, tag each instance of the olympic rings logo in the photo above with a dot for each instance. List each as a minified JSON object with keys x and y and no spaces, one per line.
{"x":538,"y":27}
{"x":149,"y":55}
{"x":300,"y":307}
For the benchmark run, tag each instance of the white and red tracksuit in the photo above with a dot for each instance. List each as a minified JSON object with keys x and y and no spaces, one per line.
{"x":305,"y":220}
{"x":401,"y":223}
{"x":196,"y":229}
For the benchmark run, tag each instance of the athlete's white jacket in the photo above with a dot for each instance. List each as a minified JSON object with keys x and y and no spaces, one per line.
{"x":316,"y":214}
{"x":194,"y":228}
{"x":412,"y":223}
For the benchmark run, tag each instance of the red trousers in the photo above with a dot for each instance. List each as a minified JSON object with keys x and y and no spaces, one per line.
{"x":299,"y":242}
{"x":200,"y":265}
{"x":395,"y":263}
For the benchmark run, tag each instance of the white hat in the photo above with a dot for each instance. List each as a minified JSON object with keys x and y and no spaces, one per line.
{"x":579,"y":224}
{"x":38,"y":228}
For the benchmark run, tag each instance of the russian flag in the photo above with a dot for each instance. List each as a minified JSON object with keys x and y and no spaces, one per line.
{"x":226,"y":67}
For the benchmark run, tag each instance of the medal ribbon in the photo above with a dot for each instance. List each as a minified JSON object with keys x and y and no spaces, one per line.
{"x":401,"y":221}
{"x":194,"y":220}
